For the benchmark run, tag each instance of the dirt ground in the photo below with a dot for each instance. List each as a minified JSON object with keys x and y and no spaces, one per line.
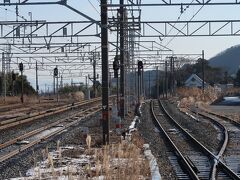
{"x":228,"y":110}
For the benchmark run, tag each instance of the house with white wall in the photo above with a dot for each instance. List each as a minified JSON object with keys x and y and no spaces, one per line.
{"x":194,"y":81}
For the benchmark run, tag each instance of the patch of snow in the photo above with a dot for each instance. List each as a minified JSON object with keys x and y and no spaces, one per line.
{"x":98,"y":178}
{"x":173,"y":131}
{"x":22,"y":142}
{"x":193,"y":117}
{"x":152,"y":163}
{"x":136,"y":119}
{"x":156,"y":130}
{"x":178,"y":104}
{"x":133,"y":124}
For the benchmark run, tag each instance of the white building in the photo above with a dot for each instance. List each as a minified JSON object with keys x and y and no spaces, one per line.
{"x":223,"y":87}
{"x":194,"y":81}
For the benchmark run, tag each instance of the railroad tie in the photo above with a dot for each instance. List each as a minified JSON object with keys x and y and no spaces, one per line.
{"x":195,"y":169}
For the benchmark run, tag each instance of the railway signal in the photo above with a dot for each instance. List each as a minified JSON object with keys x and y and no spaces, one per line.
{"x":140,"y":66}
{"x":20,"y":66}
{"x":55,"y":71}
{"x":55,"y":75}
{"x":116,"y":66}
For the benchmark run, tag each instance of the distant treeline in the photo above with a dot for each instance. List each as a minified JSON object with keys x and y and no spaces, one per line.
{"x":14,"y":84}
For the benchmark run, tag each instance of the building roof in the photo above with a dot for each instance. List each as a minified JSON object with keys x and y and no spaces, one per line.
{"x":194,"y":80}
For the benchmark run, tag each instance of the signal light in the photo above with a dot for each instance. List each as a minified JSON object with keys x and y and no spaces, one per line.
{"x":55,"y":72}
{"x":116,"y":66}
{"x":140,"y":65}
{"x":20,"y":66}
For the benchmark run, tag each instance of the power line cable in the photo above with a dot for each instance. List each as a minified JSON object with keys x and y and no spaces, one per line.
{"x":179,"y":17}
{"x":93,"y":6}
{"x":184,"y":25}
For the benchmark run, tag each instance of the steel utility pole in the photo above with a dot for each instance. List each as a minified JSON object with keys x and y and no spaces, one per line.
{"x":94,"y":76}
{"x":143,"y":84}
{"x":138,"y":85}
{"x":87,"y":90}
{"x":122,"y":61}
{"x":171,"y":75}
{"x":166,"y":79}
{"x":57,"y":90}
{"x":203,"y":75}
{"x":117,"y":93}
{"x":149,"y":84}
{"x":54,"y":84}
{"x":116,"y":68}
{"x":13,"y":81}
{"x":105,"y":88}
{"x":157,"y":73}
{"x":61,"y":82}
{"x":37,"y":87}
{"x":173,"y":70}
{"x":135,"y":83}
{"x":4,"y":84}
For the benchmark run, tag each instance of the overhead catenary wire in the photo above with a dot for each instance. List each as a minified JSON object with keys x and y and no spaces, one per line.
{"x":185,"y":25}
{"x":94,"y":6}
{"x":179,"y":17}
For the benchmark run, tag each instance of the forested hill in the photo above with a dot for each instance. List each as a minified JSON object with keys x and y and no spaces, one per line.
{"x":228,"y":59}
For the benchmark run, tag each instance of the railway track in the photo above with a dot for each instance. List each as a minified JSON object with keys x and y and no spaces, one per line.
{"x":230,"y":151}
{"x":175,"y":156}
{"x":12,"y":147}
{"x":191,"y":157}
{"x":4,"y":124}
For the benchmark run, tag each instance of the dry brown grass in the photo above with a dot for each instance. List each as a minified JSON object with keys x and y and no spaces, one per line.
{"x":120,"y":161}
{"x":16,"y":100}
{"x":10,"y":100}
{"x":195,"y":96}
{"x":233,"y":91}
{"x":233,"y":116}
{"x":237,"y":117}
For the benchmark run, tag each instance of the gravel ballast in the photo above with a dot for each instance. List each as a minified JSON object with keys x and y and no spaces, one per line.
{"x":157,"y":144}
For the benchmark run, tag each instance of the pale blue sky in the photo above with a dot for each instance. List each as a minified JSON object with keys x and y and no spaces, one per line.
{"x":211,"y":45}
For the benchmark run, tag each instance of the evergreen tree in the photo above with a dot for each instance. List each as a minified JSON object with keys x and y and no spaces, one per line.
{"x":237,"y":79}
{"x":212,"y":75}
{"x":14,"y":87}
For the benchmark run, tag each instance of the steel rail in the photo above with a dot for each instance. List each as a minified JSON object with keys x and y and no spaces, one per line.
{"x":36,"y":131}
{"x":40,"y":140}
{"x":226,"y":134}
{"x":224,"y":144}
{"x":224,"y":117}
{"x":28,"y":118}
{"x":183,"y":160}
{"x":225,"y":168}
